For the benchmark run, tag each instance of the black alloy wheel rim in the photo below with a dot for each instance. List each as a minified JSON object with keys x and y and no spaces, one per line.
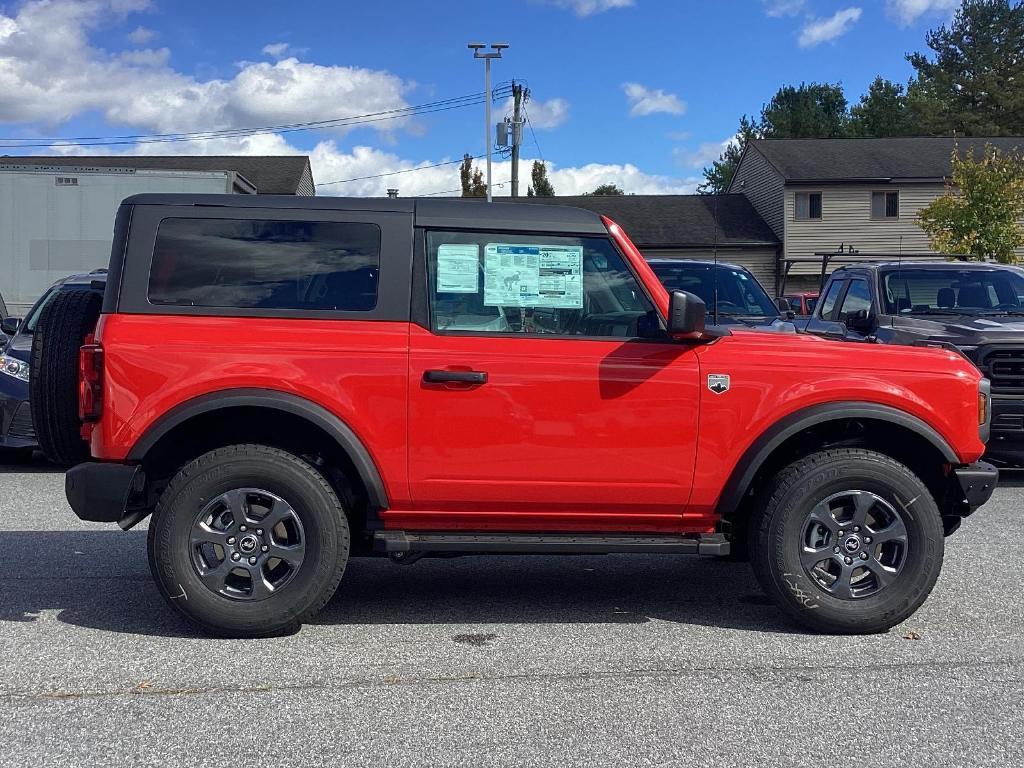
{"x":853,"y":545}
{"x":247,"y":544}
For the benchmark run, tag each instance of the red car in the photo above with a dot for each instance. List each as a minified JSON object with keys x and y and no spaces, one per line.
{"x":285,"y":383}
{"x":801,"y":304}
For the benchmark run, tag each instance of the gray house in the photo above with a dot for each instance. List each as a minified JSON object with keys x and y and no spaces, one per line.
{"x":819,"y":194}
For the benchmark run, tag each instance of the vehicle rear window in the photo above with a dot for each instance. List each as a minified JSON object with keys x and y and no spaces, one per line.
{"x":297,"y":265}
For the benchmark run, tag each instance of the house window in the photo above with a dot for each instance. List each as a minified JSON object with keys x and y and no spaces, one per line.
{"x":885,"y":205}
{"x":808,"y":205}
{"x":66,"y":181}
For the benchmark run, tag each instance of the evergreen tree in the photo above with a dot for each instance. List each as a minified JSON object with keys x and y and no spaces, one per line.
{"x":472,"y":179}
{"x":976,"y":69}
{"x":541,"y":187}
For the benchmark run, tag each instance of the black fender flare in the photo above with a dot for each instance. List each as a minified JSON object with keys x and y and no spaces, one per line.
{"x":754,"y":457}
{"x":281,"y":401}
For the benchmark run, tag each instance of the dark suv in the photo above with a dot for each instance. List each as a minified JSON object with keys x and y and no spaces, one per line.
{"x":17,"y":434}
{"x":732,"y":294}
{"x":976,"y":307}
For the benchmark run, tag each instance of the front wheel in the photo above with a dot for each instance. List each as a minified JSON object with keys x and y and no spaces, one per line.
{"x":849,"y":541}
{"x":248,"y":541}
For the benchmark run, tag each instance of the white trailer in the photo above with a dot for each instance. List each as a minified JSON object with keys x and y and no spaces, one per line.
{"x":55,"y":221}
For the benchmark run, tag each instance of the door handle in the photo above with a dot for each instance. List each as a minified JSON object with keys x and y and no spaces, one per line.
{"x":459,"y":377}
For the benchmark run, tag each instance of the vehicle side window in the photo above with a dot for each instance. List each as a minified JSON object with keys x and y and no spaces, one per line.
{"x":858,"y":297}
{"x":828,"y":304}
{"x":297,"y":265}
{"x":538,"y":284}
{"x":794,"y":304}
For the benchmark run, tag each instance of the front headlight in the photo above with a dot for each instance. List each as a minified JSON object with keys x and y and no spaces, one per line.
{"x":12,"y":366}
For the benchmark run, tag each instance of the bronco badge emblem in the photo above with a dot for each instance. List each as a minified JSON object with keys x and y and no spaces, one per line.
{"x":718,"y":382}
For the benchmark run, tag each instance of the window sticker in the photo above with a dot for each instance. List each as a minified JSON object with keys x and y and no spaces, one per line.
{"x":458,"y":268}
{"x":549,"y":276}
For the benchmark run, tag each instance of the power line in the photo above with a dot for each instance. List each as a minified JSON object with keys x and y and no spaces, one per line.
{"x":533,"y":134}
{"x":450,"y":191}
{"x":443,"y":105}
{"x":395,"y":173}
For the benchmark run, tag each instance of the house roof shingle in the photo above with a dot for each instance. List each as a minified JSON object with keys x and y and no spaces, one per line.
{"x":913,"y":157}
{"x":666,"y":221}
{"x":271,"y":174}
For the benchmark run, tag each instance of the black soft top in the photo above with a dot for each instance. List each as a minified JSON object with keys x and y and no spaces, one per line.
{"x":470,"y":213}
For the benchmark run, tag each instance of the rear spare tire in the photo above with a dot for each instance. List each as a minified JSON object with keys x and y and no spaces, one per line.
{"x":63,"y":324}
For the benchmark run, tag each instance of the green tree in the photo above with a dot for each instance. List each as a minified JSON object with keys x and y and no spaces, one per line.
{"x":472,"y":179}
{"x":980,"y":213}
{"x":976,"y":69}
{"x":605,"y":190}
{"x":718,"y":176}
{"x":541,"y":187}
{"x":882,"y":111}
{"x":810,"y":110}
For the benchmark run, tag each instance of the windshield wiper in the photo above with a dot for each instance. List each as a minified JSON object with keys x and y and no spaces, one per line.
{"x":937,"y":311}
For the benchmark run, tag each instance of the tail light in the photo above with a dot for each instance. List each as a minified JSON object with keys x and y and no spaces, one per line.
{"x":90,"y":382}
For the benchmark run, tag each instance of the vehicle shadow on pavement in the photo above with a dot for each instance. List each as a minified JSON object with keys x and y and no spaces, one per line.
{"x":101,"y":580}
{"x":36,"y":465}
{"x":619,"y":589}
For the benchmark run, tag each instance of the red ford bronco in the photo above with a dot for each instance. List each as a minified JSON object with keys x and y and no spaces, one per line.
{"x":287,"y":382}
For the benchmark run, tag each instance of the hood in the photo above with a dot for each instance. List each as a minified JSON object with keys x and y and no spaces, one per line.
{"x":961,"y":329}
{"x":805,"y":351}
{"x":19,"y":346}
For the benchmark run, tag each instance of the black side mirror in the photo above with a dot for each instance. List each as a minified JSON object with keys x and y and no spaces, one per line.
{"x":783,"y":305}
{"x":686,"y":314}
{"x":862,"y":321}
{"x":10,"y":325}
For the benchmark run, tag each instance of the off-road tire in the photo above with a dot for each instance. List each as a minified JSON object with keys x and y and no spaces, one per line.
{"x":63,"y":324}
{"x":776,"y":533}
{"x":326,"y":534}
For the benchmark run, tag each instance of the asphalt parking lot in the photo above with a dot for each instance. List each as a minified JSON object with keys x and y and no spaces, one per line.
{"x":616,"y":660}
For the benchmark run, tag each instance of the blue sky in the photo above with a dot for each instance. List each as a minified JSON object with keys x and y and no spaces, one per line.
{"x":641,"y":93}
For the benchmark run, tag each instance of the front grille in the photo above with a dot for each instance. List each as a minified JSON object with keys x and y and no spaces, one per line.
{"x":1004,"y":367}
{"x":21,"y":424}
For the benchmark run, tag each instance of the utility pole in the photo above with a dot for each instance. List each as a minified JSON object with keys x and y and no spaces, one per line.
{"x":494,"y":53}
{"x":518,"y":97}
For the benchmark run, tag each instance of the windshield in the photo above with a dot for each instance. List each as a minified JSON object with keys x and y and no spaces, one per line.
{"x":739,"y":294}
{"x":29,"y":326}
{"x":952,"y":291}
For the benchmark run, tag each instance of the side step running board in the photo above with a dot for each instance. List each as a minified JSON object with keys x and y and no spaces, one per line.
{"x":556,"y":543}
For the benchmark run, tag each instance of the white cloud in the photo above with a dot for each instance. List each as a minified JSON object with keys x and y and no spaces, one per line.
{"x":590,"y":7}
{"x":906,"y":12}
{"x":543,"y":114}
{"x":647,"y":101}
{"x":141,"y":35}
{"x":330,"y":163}
{"x":817,"y":31}
{"x":703,"y":156}
{"x":777,"y":8}
{"x":283,"y":50}
{"x":50,"y":72}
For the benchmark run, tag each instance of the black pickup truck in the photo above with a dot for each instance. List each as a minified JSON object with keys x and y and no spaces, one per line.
{"x":976,"y":307}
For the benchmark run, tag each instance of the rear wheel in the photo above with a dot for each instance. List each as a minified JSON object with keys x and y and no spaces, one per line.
{"x":849,"y":541}
{"x":63,"y":324}
{"x":248,"y":541}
